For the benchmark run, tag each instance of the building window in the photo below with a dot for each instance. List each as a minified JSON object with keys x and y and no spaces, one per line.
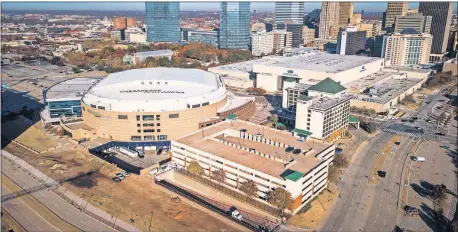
{"x":158,"y":130}
{"x":195,"y":106}
{"x":158,"y":117}
{"x":139,"y":131}
{"x":148,"y":130}
{"x":174,"y":115}
{"x":148,"y":138}
{"x":162,"y":137}
{"x":158,"y":124}
{"x":136,"y":138}
{"x":101,"y":107}
{"x":148,"y":124}
{"x":93,"y":106}
{"x":205,"y":104}
{"x":138,"y":125}
{"x":138,"y":117}
{"x":122,"y":116}
{"x":148,"y":117}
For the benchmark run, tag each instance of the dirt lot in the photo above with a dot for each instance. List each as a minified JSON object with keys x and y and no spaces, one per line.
{"x":136,"y":197}
{"x":313,"y":217}
{"x":9,"y":224}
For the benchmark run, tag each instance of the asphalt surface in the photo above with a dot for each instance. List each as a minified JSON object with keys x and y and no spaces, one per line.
{"x":24,"y":215}
{"x":353,"y":188}
{"x":52,"y":201}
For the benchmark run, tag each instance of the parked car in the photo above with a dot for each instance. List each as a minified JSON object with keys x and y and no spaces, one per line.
{"x":125,"y":173}
{"x":233,"y":212}
{"x":116,"y":179}
{"x":381,"y":174}
{"x":411,"y":211}
{"x":397,"y":143}
{"x":120,"y":176}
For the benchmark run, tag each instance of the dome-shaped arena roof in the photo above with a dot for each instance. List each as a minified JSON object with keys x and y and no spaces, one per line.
{"x":156,"y":90}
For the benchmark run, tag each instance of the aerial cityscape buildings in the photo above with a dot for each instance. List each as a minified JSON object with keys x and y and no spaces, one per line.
{"x":229,"y":116}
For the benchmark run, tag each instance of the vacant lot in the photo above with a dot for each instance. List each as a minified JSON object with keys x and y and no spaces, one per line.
{"x":9,"y":224}
{"x":313,"y":217}
{"x":136,"y":199}
{"x":23,"y":132}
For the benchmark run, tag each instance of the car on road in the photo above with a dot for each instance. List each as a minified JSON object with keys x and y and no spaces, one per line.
{"x":411,"y":211}
{"x":418,"y":158}
{"x":397,"y":143}
{"x":120,"y":176}
{"x":404,"y":120}
{"x":381,"y":174}
{"x":116,"y":179}
{"x":440,"y":133}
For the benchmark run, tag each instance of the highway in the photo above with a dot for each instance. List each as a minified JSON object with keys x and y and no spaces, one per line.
{"x":24,"y":215}
{"x":52,"y":201}
{"x":354,"y":196}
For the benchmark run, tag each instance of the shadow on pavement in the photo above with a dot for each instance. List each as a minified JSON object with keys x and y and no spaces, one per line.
{"x":435,"y":219}
{"x":423,"y":192}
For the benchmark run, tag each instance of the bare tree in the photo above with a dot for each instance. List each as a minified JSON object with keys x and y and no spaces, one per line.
{"x":340,"y":161}
{"x":219,"y":175}
{"x":195,"y":168}
{"x":281,"y":199}
{"x":249,"y":188}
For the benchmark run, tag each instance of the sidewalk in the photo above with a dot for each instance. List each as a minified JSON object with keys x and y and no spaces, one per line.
{"x":70,"y":197}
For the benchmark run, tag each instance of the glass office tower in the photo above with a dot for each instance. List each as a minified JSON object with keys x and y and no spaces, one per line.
{"x":162,"y":21}
{"x":234,"y":25}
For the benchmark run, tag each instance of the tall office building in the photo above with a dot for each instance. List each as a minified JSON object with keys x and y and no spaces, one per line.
{"x":308,"y":35}
{"x":281,"y":40}
{"x":234,"y":25}
{"x":420,"y":23}
{"x":329,"y":20}
{"x":440,"y":25}
{"x":407,"y":49}
{"x":295,"y":29}
{"x":293,"y":11}
{"x":351,"y":41}
{"x":162,"y":21}
{"x":345,"y":13}
{"x":261,"y":43}
{"x":315,"y":15}
{"x":123,"y":22}
{"x":393,"y":9}
{"x":378,"y":46}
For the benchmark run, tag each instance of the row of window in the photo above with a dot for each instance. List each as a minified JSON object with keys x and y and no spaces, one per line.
{"x":149,"y":138}
{"x":149,"y":130}
{"x":148,"y":124}
{"x":198,"y":105}
{"x":148,"y":117}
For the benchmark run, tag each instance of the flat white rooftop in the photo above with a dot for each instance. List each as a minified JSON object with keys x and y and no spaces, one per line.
{"x":70,"y":89}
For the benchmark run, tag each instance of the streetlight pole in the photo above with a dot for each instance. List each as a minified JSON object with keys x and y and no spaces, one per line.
{"x":150,"y":222}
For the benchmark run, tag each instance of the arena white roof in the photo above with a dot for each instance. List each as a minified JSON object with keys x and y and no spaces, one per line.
{"x":156,"y":90}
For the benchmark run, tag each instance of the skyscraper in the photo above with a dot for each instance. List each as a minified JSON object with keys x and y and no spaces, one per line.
{"x":345,"y":13}
{"x":293,"y":11}
{"x":393,"y":9}
{"x":351,"y":41}
{"x":296,"y":31}
{"x":162,"y":21}
{"x":329,"y":20}
{"x":407,"y":49}
{"x":440,"y":24}
{"x":420,"y":23}
{"x":234,"y":25}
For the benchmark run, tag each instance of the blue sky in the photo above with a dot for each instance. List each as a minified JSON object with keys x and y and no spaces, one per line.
{"x":265,"y":6}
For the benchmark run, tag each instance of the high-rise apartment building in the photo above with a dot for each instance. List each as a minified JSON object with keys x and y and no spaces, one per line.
{"x":296,"y":31}
{"x":308,"y":35}
{"x":291,"y":11}
{"x":234,"y":25}
{"x":345,"y":13}
{"x":440,"y":25}
{"x":393,"y":9}
{"x":378,"y":46}
{"x":261,"y":43}
{"x":350,"y":41}
{"x":162,"y":21}
{"x":407,"y":49}
{"x":315,"y":15}
{"x":282,"y":39}
{"x":123,"y":22}
{"x":355,"y":19}
{"x":420,"y":23}
{"x":329,"y":20}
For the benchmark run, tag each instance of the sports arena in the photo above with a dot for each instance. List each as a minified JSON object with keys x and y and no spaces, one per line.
{"x":159,"y":104}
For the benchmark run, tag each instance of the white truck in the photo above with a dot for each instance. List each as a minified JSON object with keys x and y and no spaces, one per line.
{"x":129,"y":152}
{"x":235,"y":213}
{"x":418,"y":158}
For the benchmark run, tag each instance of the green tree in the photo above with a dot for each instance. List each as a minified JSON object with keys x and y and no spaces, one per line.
{"x":195,"y":168}
{"x":164,"y":62}
{"x":281,"y":199}
{"x":249,"y":188}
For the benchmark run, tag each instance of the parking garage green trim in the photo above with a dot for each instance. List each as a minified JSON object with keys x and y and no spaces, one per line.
{"x":292,"y":175}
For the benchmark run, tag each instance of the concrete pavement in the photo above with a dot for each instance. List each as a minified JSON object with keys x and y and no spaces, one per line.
{"x":353,"y":187}
{"x":24,"y":215}
{"x":53,"y":202}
